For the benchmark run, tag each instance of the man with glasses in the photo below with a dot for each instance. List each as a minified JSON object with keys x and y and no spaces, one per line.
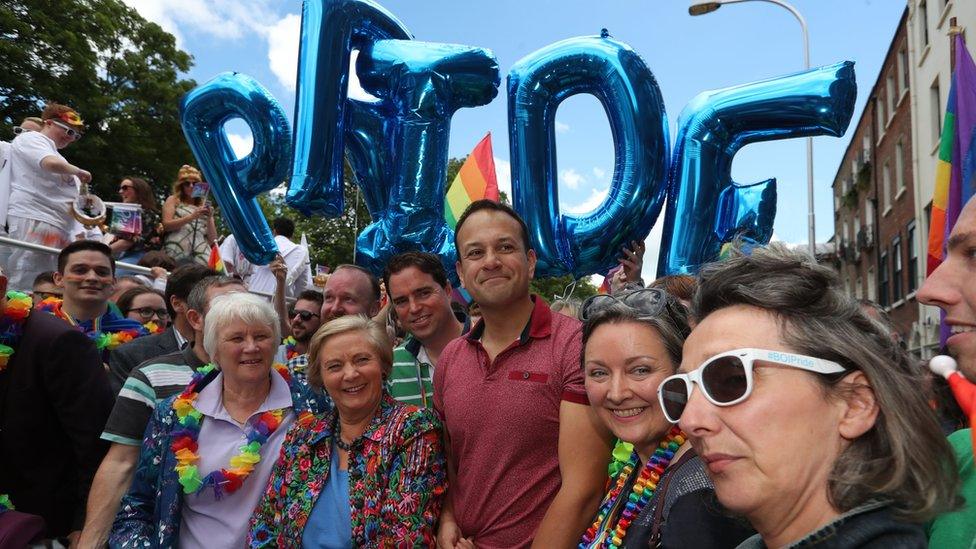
{"x":304,"y":320}
{"x":147,"y":385}
{"x":44,"y":287}
{"x":42,"y":184}
{"x":421,"y":296}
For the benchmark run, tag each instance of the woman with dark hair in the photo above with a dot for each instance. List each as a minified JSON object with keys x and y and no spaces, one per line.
{"x":807,"y":413}
{"x":188,"y":219}
{"x":130,"y":246}
{"x":144,"y":305}
{"x":661,"y":496}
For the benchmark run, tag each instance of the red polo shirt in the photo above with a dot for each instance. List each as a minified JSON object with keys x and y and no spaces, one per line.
{"x":503,"y":419}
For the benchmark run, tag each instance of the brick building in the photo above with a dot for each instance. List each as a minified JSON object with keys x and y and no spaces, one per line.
{"x":875,"y":227}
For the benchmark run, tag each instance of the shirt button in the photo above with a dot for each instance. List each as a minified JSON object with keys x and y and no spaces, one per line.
{"x":525,"y":375}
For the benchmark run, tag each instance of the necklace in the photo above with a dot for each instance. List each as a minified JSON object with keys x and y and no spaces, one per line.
{"x":107,"y":331}
{"x":184,"y":446}
{"x":616,"y":513}
{"x":12,"y":325}
{"x":338,"y":438}
{"x":290,"y":351}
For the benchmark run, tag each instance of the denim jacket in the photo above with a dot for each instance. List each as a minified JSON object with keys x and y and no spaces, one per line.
{"x":150,"y":513}
{"x":870,"y":525}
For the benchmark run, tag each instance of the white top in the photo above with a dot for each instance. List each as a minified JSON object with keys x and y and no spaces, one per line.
{"x":35,"y":192}
{"x":299,"y":275}
{"x":4,"y":181}
{"x":232,"y":257}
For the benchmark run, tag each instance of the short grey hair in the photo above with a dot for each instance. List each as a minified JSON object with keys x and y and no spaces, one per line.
{"x":242,"y":306}
{"x":671,"y":324}
{"x":374,"y":332}
{"x":904,"y":458}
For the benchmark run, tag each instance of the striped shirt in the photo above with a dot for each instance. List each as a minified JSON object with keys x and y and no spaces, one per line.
{"x":149,"y":383}
{"x":411,"y":371}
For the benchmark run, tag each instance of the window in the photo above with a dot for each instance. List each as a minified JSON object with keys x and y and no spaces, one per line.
{"x":897,"y":270}
{"x":899,"y":167}
{"x":892,"y":98}
{"x":872,"y":285}
{"x":869,"y":213}
{"x":886,"y":187}
{"x":879,"y":113}
{"x":912,"y":256}
{"x":903,"y":70}
{"x":866,"y":145}
{"x":923,"y":23}
{"x":883,"y":279}
{"x":859,"y":289}
{"x":936,"y":110}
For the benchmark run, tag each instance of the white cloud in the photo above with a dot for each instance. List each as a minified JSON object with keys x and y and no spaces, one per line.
{"x":242,"y":144}
{"x":283,"y":49}
{"x":354,"y":90}
{"x":221,"y":18}
{"x":561,"y":127}
{"x":599,"y":173}
{"x":571,"y":178}
{"x":503,"y":174}
{"x":596,"y":198}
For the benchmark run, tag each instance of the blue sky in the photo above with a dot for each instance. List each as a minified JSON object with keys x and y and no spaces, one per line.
{"x":737,"y":44}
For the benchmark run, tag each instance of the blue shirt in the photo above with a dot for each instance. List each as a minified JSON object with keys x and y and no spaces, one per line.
{"x":330,"y":524}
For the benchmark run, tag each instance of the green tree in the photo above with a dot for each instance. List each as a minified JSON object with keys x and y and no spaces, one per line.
{"x":555,"y":287}
{"x":122,"y":74}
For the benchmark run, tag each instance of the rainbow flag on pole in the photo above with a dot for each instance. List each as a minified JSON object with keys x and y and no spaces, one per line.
{"x":216,"y":262}
{"x":475,"y":181}
{"x":954,"y":183}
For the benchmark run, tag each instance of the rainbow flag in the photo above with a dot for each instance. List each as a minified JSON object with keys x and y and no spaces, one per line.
{"x":215,"y":262}
{"x":475,"y":180}
{"x":956,"y":166}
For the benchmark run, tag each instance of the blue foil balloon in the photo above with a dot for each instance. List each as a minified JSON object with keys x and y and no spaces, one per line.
{"x":369,"y":151}
{"x":236,"y":182}
{"x":705,"y":207}
{"x":617,"y":76}
{"x":426,"y":83}
{"x":331,"y":29}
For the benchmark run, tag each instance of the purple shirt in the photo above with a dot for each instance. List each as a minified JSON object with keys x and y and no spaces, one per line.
{"x":208,"y":522}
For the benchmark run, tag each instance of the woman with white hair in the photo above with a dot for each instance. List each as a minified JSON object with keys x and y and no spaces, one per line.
{"x":208,"y":452}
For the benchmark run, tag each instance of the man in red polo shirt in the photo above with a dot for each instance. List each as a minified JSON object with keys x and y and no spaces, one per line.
{"x":527,"y":457}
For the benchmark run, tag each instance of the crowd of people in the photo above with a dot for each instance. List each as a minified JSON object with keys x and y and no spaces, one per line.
{"x":753,"y":405}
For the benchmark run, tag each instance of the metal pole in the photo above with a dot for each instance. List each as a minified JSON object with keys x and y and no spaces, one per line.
{"x":55,"y":251}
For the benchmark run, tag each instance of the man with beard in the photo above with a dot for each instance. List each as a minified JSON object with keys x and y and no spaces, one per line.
{"x":304,"y":320}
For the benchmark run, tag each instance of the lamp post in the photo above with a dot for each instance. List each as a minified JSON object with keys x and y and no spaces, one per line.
{"x":700,"y":7}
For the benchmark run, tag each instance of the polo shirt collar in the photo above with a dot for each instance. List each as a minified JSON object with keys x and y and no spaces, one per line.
{"x":210,"y":402}
{"x":538,"y":326}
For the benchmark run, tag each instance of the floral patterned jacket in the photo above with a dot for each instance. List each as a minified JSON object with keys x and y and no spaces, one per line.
{"x":397,"y":480}
{"x":150,"y":513}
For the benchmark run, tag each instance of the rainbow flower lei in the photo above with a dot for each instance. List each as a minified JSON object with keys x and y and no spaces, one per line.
{"x":105,"y":339}
{"x":5,"y":504}
{"x":12,"y":325}
{"x":184,"y":446}
{"x":290,"y":351}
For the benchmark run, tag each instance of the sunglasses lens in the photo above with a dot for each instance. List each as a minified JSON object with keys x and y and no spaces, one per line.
{"x":725,"y":379}
{"x":595,"y":304}
{"x":674,"y":397}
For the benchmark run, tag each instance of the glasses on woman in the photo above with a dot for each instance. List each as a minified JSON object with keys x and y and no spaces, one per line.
{"x":726,"y":378}
{"x":146,"y":313}
{"x":647,"y":301}
{"x":68,"y":130}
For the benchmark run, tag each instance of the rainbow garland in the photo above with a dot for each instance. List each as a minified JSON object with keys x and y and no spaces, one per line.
{"x":290,"y":351}
{"x":616,"y":512}
{"x":5,"y":504}
{"x":107,"y":331}
{"x":184,"y":446}
{"x":12,"y":324}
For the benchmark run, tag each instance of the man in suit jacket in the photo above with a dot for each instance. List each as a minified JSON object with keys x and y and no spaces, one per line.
{"x":54,"y":401}
{"x":125,"y":358}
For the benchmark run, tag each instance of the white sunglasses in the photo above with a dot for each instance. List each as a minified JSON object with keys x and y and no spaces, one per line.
{"x":726,"y":378}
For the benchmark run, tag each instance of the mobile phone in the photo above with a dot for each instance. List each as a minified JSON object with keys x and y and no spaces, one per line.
{"x":200,"y":189}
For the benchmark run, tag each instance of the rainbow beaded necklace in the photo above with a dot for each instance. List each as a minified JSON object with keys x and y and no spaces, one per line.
{"x":616,"y":513}
{"x":12,"y":324}
{"x":184,"y":446}
{"x":290,"y":351}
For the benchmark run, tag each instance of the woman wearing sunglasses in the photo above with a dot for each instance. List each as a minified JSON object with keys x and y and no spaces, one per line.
{"x":808,"y":416}
{"x":188,"y":220}
{"x":130,"y":246}
{"x":661,"y":497}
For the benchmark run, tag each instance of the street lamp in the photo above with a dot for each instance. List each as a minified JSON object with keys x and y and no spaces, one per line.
{"x":701,"y":7}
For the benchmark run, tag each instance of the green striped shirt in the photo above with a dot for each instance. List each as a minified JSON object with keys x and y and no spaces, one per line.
{"x":411,"y":380}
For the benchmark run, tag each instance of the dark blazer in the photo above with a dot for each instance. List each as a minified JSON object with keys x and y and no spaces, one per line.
{"x":124,"y":359}
{"x":54,"y":401}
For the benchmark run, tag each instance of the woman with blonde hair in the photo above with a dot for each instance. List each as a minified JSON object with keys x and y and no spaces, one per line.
{"x":188,"y":220}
